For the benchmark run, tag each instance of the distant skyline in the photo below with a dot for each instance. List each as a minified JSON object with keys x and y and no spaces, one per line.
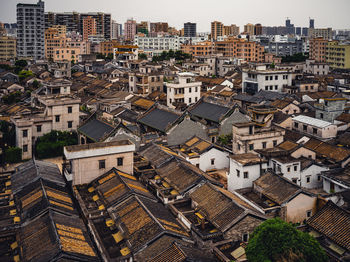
{"x":327,"y":13}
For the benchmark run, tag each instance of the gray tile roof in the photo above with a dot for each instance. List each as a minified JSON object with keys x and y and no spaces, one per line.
{"x":209,"y":111}
{"x":158,"y":119}
{"x":95,"y":129}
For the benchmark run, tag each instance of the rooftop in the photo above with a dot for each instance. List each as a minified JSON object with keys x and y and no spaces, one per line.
{"x":311,"y":121}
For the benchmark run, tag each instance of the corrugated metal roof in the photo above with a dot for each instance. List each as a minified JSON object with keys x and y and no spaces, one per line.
{"x":312,"y":121}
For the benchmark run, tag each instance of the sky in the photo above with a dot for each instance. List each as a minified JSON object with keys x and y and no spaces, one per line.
{"x":327,"y":13}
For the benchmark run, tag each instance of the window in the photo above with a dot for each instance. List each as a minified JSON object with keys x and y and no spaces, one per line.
{"x":266,"y":87}
{"x":25,"y":148}
{"x":305,"y":127}
{"x":70,"y":110}
{"x":239,"y":146}
{"x":102,"y":164}
{"x":38,"y":128}
{"x":245,"y":237}
{"x":245,"y":175}
{"x":308,"y":179}
{"x":294,"y":180}
{"x":314,"y":131}
{"x":25,"y":133}
{"x":276,"y":77}
{"x":70,"y":124}
{"x":190,"y":100}
{"x":296,"y":125}
{"x":238,"y":173}
{"x":266,"y":78}
{"x":250,"y":130}
{"x":196,"y":89}
{"x":271,"y":77}
{"x":308,"y":213}
{"x":190,"y":90}
{"x":212,"y":161}
{"x":251,"y":146}
{"x":288,"y":169}
{"x":197,"y":165}
{"x":274,"y":143}
{"x":120,"y":161}
{"x":321,"y":115}
{"x":57,"y":118}
{"x":295,"y":168}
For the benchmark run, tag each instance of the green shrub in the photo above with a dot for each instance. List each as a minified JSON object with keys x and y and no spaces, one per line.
{"x":13,"y":155}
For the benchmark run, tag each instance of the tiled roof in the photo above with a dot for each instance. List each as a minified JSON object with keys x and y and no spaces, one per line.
{"x":96,"y":129}
{"x":217,"y":208}
{"x":209,"y":111}
{"x":158,"y":119}
{"x":333,"y":222}
{"x":276,"y":188}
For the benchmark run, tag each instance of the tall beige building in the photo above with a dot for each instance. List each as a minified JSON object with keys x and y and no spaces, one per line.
{"x":231,"y":30}
{"x":317,"y":49}
{"x":7,"y":47}
{"x":89,"y":27}
{"x":249,"y":29}
{"x":217,"y":29}
{"x":53,"y":39}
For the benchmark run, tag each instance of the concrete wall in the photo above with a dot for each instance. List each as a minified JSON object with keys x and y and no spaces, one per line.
{"x":85,"y":170}
{"x":185,"y":130}
{"x":221,"y":160}
{"x":297,"y":208}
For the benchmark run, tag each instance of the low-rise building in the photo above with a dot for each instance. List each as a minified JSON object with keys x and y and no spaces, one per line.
{"x":185,"y":89}
{"x":316,"y":127}
{"x":259,"y":77}
{"x":89,"y":161}
{"x":66,"y":54}
{"x":328,"y":109}
{"x":316,"y":68}
{"x":244,"y":170}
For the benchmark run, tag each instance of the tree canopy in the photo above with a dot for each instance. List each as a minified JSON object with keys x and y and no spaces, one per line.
{"x":178,"y":55}
{"x":51,"y":144}
{"x":299,"y":57}
{"x":276,"y":240}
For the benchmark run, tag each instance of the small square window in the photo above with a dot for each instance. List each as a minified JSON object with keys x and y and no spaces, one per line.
{"x":38,"y":128}
{"x":308,"y":213}
{"x":70,"y":124}
{"x":245,"y":237}
{"x":245,"y":175}
{"x":25,"y":133}
{"x":120,"y":161}
{"x":238,"y":173}
{"x":308,"y":179}
{"x":274,"y":143}
{"x":318,"y":178}
{"x":25,"y":148}
{"x":251,"y":146}
{"x":288,"y":169}
{"x":57,"y":118}
{"x":263,"y":145}
{"x":212,"y":161}
{"x":70,"y":110}
{"x":102,"y":164}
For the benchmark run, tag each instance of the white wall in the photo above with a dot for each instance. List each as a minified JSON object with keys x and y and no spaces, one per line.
{"x":221,"y":160}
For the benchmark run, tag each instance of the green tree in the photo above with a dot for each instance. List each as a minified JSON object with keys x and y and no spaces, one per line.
{"x":51,"y":144}
{"x":13,"y":155}
{"x":24,"y":74}
{"x":143,"y":56}
{"x":276,"y":240}
{"x":21,"y":63}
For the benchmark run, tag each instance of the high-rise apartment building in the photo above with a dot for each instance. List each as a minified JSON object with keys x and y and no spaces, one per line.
{"x":249,"y":29}
{"x":130,"y":29}
{"x":217,"y":29}
{"x":89,"y":27}
{"x":326,"y":33}
{"x":159,"y":27}
{"x":116,"y":30}
{"x":31,"y":30}
{"x":338,"y":55}
{"x":312,"y":23}
{"x":74,"y":21}
{"x":317,"y":49}
{"x":190,"y":29}
{"x":53,"y":40}
{"x":231,"y":30}
{"x":7,"y":47}
{"x":258,"y":29}
{"x":143,"y":27}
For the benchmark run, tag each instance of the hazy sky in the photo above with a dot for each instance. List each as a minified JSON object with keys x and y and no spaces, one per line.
{"x":327,"y":13}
